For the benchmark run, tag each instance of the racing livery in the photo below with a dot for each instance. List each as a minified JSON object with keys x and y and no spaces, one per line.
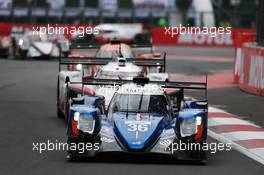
{"x":141,"y":118}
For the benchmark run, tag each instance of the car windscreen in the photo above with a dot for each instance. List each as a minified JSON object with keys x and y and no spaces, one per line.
{"x":138,"y":103}
{"x":102,"y":74}
{"x":114,"y":54}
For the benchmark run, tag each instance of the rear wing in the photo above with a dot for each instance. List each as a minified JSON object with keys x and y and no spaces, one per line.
{"x":97,"y":45}
{"x":148,"y":62}
{"x":144,"y":80}
{"x":179,"y":94}
{"x":84,"y":46}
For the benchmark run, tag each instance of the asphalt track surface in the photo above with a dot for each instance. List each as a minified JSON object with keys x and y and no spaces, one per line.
{"x":28,"y":114}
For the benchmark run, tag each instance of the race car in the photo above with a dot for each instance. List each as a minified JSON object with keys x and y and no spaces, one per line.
{"x":128,"y":33}
{"x":115,"y":49}
{"x":5,"y":43}
{"x":35,"y":44}
{"x":141,"y":118}
{"x":119,"y":68}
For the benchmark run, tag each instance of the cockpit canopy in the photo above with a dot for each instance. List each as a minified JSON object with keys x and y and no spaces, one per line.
{"x":138,"y":103}
{"x":115,"y":50}
{"x":119,"y":68}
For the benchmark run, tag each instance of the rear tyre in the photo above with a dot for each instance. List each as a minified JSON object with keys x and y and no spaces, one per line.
{"x":59,"y":113}
{"x":203,"y":158}
{"x":71,"y":158}
{"x":23,"y":54}
{"x":11,"y":53}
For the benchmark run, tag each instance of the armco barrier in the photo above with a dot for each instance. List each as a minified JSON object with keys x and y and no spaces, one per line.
{"x":252,"y":69}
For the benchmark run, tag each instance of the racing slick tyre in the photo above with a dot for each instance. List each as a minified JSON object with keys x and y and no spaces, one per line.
{"x":11,"y":52}
{"x":203,"y":158}
{"x":78,"y":152}
{"x":71,"y":158}
{"x":195,"y":155}
{"x":22,"y":54}
{"x":59,"y":112}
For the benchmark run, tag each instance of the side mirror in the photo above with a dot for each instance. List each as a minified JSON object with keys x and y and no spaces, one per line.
{"x":176,"y":99}
{"x":175,"y":110}
{"x":202,"y":104}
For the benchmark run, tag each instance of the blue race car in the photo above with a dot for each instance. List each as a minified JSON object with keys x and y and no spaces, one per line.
{"x":141,"y":118}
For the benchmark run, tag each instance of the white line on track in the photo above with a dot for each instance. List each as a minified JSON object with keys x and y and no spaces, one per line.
{"x":228,"y":121}
{"x":244,"y":135}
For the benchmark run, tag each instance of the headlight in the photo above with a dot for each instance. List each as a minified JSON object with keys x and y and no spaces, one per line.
{"x":79,"y":67}
{"x":20,"y":42}
{"x":189,"y":126}
{"x":85,"y":123}
{"x":198,"y":120}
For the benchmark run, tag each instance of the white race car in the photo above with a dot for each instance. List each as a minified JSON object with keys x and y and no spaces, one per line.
{"x":34,"y":44}
{"x":128,"y":33}
{"x":123,"y":32}
{"x":70,"y":82}
{"x":5,"y":43}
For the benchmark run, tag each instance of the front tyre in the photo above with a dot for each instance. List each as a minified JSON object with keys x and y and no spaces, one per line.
{"x":71,"y":158}
{"x":202,"y":160}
